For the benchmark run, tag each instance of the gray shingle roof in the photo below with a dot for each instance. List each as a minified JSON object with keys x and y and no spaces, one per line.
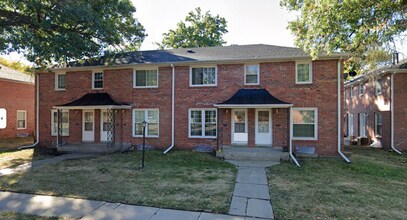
{"x":14,"y":75}
{"x":202,"y":54}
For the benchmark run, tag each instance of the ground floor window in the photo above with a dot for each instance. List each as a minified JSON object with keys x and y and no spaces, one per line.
{"x":21,"y":119}
{"x":64,"y":122}
{"x":378,"y":124}
{"x":362,"y":124}
{"x":350,"y":124}
{"x":202,"y":123}
{"x":305,"y":124}
{"x":151,"y":116}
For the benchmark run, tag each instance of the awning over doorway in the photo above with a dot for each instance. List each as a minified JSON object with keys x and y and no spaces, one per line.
{"x":94,"y":101}
{"x":253,"y":98}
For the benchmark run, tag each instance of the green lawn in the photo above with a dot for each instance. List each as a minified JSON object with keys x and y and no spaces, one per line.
{"x":18,"y":216}
{"x":181,"y":180}
{"x":373,"y":186}
{"x":11,"y":144}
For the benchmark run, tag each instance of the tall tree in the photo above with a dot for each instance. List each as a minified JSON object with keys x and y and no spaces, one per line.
{"x":367,"y":29}
{"x":198,"y":30}
{"x":49,"y":31}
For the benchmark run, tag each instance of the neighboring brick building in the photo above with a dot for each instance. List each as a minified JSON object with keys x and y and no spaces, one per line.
{"x":369,"y":106}
{"x":16,"y":103}
{"x":101,"y":102}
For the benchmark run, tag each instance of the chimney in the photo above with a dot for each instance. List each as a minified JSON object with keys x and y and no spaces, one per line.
{"x":395,"y":58}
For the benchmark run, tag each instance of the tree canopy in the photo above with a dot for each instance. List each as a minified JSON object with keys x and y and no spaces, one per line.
{"x":198,"y":30}
{"x":49,"y":31}
{"x":365,"y":28}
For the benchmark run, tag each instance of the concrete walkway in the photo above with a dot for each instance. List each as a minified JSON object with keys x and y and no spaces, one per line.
{"x":251,"y":197}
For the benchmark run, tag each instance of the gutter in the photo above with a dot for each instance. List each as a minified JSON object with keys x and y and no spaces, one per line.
{"x":291,"y":140}
{"x":172,"y":110}
{"x":37,"y":114}
{"x":339,"y":115}
{"x":392,"y":113}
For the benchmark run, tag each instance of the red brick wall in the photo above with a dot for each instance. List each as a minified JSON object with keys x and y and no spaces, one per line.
{"x":17,"y":96}
{"x":400,"y":111}
{"x":277,"y":77}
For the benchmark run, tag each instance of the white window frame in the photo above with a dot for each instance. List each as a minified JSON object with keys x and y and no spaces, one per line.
{"x":361,"y":89}
{"x":25,"y":119}
{"x":362,"y":132}
{"x":315,"y":123}
{"x":135,"y":78}
{"x":93,"y":80}
{"x":203,"y":85}
{"x":378,"y":88}
{"x":352,"y":92}
{"x":54,"y":133}
{"x":376,"y":114}
{"x":145,"y":119}
{"x":203,"y":122}
{"x":257,"y":74}
{"x":350,"y":125}
{"x":310,"y":72}
{"x":57,"y":80}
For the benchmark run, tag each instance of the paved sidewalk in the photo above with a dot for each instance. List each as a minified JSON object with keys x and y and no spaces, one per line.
{"x":251,"y":197}
{"x":90,"y":209}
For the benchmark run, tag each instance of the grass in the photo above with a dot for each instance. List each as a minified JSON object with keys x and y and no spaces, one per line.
{"x":181,"y":180}
{"x":373,"y":186}
{"x":11,"y":144}
{"x":19,"y":216}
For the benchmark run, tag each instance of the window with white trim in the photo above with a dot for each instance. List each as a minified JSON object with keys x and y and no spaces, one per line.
{"x":146,"y":78}
{"x":378,"y":124}
{"x":378,"y":88}
{"x":361,"y":89}
{"x":305,"y":123}
{"x":350,"y":124}
{"x":60,"y":81}
{"x":97,"y":80}
{"x":64,"y":122}
{"x":203,"y":76}
{"x":151,"y":116}
{"x":303,"y":73}
{"x":251,"y":74}
{"x":202,"y":123}
{"x":352,"y":93}
{"x":21,"y":119}
{"x":362,"y":124}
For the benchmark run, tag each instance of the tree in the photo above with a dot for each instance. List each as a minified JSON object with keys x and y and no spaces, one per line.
{"x":17,"y":66}
{"x":49,"y":31}
{"x":366,"y":29}
{"x":197,"y":30}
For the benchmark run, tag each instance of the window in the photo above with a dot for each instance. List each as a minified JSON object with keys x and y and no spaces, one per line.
{"x":378,"y":124}
{"x":303,"y":73}
{"x":251,"y":74}
{"x":361,"y":89}
{"x":352,"y":93}
{"x":60,"y":81}
{"x":203,"y":76}
{"x":202,"y":123}
{"x":378,"y":88}
{"x":350,"y":124}
{"x":21,"y":119}
{"x":305,"y":123}
{"x":362,"y":124}
{"x":145,"y":78}
{"x":97,"y":80}
{"x":64,"y":122}
{"x":151,"y":116}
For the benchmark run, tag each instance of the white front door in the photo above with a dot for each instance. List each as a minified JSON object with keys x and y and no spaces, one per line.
{"x":103,"y":125}
{"x":88,"y":127}
{"x":239,"y":126}
{"x":263,"y":127}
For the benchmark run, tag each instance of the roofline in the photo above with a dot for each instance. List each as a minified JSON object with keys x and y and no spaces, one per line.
{"x":253,"y":105}
{"x":17,"y":81}
{"x":94,"y":107}
{"x":363,"y":77}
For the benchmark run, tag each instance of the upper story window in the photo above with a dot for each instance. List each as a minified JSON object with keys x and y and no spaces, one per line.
{"x":361,"y":89}
{"x":303,"y":73}
{"x":203,"y":76}
{"x":251,"y":74}
{"x":146,"y":78}
{"x":21,"y":119}
{"x":60,"y":81}
{"x":378,"y":88}
{"x":352,"y":93}
{"x":305,"y":123}
{"x":97,"y":80}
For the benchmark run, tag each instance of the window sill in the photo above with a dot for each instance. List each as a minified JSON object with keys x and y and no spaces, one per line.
{"x":63,"y":135}
{"x":21,"y":128}
{"x":97,"y":88}
{"x":304,"y":139}
{"x":145,"y":87}
{"x":202,"y":137}
{"x":141,"y":136}
{"x":206,"y":85}
{"x":303,"y":83}
{"x":60,"y":90}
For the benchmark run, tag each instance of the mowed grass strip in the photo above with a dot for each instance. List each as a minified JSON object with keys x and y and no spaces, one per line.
{"x":373,"y":186}
{"x":19,"y":216}
{"x":180,"y":180}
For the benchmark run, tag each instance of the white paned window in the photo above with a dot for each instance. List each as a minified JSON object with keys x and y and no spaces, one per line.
{"x":145,"y":78}
{"x":151,"y":116}
{"x":202,"y":123}
{"x":361,"y":89}
{"x":97,"y":80}
{"x":60,"y":81}
{"x":362,"y":124}
{"x":251,"y":74}
{"x":203,"y":76}
{"x":303,"y":73}
{"x":305,"y":123}
{"x":21,"y":119}
{"x":64,"y":122}
{"x":378,"y":88}
{"x":350,"y":124}
{"x":378,"y":124}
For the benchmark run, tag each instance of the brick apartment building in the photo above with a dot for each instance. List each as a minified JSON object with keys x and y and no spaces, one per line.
{"x":16,"y":103}
{"x":213,"y":96}
{"x":373,"y":101}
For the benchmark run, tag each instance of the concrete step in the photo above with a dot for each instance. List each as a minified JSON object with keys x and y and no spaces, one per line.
{"x":258,"y":154}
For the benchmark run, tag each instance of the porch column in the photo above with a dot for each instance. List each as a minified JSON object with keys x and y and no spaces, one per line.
{"x":110,"y":128}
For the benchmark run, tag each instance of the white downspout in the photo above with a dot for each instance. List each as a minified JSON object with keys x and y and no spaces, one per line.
{"x":339,"y":114}
{"x":291,"y":139}
{"x":392,"y":113}
{"x":37,"y":114}
{"x":172,"y":110}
